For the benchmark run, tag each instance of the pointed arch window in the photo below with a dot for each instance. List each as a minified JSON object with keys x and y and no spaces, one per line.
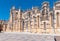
{"x":29,"y":14}
{"x":57,"y":19}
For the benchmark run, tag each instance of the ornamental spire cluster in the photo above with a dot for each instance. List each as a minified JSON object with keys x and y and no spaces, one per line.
{"x":35,"y":20}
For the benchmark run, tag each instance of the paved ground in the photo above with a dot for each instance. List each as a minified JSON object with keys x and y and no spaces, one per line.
{"x":24,"y":37}
{"x":57,"y":38}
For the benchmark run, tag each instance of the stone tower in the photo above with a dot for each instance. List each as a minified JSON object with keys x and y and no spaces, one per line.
{"x":35,"y":20}
{"x":46,"y":18}
{"x":57,"y":17}
{"x":15,"y":21}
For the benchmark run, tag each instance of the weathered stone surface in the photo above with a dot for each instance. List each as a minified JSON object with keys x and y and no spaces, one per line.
{"x":24,"y":37}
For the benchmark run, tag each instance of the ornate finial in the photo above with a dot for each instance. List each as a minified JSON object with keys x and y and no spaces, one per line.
{"x":46,"y":2}
{"x":19,"y":8}
{"x":32,"y":7}
{"x":13,"y":7}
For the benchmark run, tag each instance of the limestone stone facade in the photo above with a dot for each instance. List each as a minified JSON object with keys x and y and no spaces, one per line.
{"x":44,"y":20}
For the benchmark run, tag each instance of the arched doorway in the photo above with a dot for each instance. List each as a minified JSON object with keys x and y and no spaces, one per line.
{"x":1,"y":27}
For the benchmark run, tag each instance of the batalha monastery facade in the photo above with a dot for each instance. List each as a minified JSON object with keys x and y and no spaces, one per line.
{"x":35,"y":20}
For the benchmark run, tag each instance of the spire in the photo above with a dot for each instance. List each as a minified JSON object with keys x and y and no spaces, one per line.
{"x":32,"y":7}
{"x":13,"y":7}
{"x":19,"y":9}
{"x":45,"y":4}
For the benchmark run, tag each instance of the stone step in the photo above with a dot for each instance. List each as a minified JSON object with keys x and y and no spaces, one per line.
{"x":24,"y":37}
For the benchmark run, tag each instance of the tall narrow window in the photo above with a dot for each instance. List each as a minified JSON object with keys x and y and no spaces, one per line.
{"x":47,"y":16}
{"x":22,"y":25}
{"x":34,"y":18}
{"x":27,"y":26}
{"x":51,"y":18}
{"x":29,"y":14}
{"x":44,"y":25}
{"x":57,"y":19}
{"x":38,"y":21}
{"x":42,"y":18}
{"x":12,"y":21}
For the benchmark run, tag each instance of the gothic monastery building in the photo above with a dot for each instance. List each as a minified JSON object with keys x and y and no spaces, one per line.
{"x":43,"y":21}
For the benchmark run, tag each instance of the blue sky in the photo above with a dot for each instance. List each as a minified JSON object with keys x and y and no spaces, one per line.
{"x":5,"y":6}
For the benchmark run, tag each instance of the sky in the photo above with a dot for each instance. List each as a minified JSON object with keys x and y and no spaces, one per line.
{"x":6,"y":5}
